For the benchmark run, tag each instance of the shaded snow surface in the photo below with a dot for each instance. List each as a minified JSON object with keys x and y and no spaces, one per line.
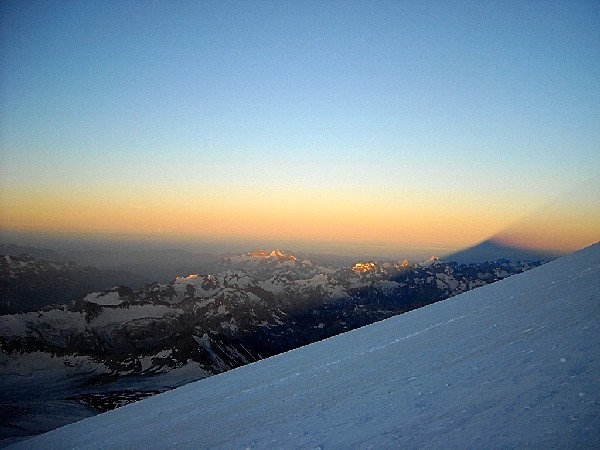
{"x":512,"y":364}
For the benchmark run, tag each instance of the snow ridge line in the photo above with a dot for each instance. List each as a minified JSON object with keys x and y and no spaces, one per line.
{"x":425,"y":330}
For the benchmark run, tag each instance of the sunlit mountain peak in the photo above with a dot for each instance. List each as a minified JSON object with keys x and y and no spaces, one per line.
{"x":433,"y":260}
{"x":362,"y":267}
{"x":281,"y":255}
{"x":278,"y":254}
{"x":259,"y":254}
{"x":189,"y":277}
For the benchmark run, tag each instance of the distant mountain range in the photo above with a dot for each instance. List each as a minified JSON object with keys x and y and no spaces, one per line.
{"x":164,"y":264}
{"x":161,"y":265}
{"x":116,"y":345}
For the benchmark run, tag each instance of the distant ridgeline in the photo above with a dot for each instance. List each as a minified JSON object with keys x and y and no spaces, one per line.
{"x":250,"y":307}
{"x":27,"y":284}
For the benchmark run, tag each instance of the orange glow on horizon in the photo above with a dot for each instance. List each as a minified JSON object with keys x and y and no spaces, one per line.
{"x":335,"y":217}
{"x":303,"y":221}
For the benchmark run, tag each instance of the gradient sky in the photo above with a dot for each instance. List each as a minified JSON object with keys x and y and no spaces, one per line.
{"x":357,"y":124}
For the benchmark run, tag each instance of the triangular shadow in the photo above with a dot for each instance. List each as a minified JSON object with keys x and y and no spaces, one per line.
{"x":493,"y":250}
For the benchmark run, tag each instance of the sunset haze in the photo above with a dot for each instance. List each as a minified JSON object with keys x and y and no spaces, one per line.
{"x":359,"y":127}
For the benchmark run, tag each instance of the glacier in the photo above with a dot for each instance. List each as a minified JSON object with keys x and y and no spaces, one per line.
{"x":511,"y":364}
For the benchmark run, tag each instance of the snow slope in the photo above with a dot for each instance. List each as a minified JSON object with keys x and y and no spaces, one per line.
{"x":511,"y":364}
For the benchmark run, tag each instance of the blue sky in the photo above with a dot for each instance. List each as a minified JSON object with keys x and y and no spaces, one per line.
{"x":476,"y":102}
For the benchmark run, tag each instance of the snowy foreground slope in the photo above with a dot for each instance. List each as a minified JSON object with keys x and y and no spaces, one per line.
{"x":511,"y":364}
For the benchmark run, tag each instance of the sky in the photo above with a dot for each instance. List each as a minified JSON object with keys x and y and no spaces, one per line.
{"x":334,"y":125}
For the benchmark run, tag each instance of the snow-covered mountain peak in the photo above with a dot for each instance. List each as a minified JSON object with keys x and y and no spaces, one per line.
{"x":260,"y":260}
{"x":258,"y":254}
{"x":278,"y":254}
{"x":191,"y":276}
{"x":373,"y":266}
{"x":431,"y":261}
{"x":282,"y":256}
{"x":363,"y":267}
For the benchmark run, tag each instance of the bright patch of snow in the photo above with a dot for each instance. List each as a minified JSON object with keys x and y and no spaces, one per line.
{"x":105,"y":299}
{"x":133,"y":312}
{"x":274,"y":285}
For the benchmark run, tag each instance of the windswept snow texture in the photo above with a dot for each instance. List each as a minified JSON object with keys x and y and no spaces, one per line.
{"x":512,"y":364}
